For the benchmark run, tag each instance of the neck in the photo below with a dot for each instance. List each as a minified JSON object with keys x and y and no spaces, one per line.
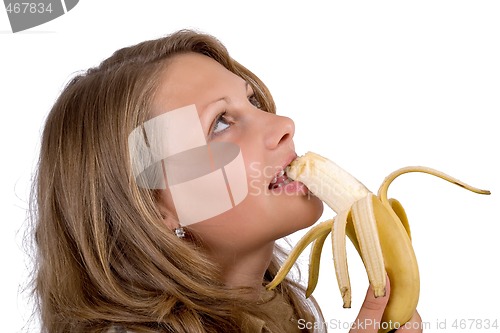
{"x":247,"y":269}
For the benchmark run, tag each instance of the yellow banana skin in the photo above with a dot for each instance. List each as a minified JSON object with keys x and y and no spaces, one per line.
{"x":313,"y":234}
{"x":377,"y":226}
{"x":400,"y":265}
{"x":314,"y":262}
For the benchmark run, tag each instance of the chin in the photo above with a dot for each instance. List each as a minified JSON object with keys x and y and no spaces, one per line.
{"x":314,"y":207}
{"x":306,"y":215}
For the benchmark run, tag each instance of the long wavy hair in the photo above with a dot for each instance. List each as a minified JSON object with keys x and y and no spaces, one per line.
{"x":104,"y":256}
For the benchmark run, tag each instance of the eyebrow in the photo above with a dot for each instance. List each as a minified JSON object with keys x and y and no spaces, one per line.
{"x":225,"y":98}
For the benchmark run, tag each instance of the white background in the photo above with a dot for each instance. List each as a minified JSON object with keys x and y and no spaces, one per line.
{"x":373,"y":85}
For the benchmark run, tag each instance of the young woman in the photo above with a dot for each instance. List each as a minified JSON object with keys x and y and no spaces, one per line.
{"x":120,"y":251}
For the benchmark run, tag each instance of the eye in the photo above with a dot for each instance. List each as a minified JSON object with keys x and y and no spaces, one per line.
{"x":254,"y":101}
{"x":220,"y":124}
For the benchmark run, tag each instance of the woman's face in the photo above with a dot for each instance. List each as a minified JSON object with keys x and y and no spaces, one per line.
{"x":228,"y":112}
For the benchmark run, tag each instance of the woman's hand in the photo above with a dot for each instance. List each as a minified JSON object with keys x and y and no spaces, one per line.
{"x":370,"y":315}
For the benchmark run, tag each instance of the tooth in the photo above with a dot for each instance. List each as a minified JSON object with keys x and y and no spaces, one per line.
{"x":275,"y":179}
{"x":281,"y":173}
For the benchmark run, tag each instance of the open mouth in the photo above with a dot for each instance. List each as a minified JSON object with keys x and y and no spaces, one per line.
{"x":280,"y":180}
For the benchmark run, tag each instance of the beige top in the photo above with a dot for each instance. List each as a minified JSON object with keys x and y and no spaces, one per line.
{"x":274,"y":304}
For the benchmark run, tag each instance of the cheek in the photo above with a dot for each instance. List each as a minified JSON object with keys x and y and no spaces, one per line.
{"x":255,"y":176}
{"x":238,"y":229}
{"x":294,"y":215}
{"x":258,"y":173}
{"x":257,"y":221}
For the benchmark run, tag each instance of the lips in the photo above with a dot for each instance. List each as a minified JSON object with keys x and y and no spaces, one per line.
{"x":281,"y":179}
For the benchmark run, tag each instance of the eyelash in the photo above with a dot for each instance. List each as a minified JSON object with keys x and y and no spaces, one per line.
{"x":255,"y":102}
{"x":221,"y":118}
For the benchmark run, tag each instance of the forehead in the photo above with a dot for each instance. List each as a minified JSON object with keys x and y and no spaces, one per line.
{"x":192,"y":78}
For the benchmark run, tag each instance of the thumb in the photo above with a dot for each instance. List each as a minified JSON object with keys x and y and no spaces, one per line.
{"x":371,"y":311}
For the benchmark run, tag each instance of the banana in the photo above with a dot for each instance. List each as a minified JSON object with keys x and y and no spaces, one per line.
{"x":377,"y":226}
{"x":314,"y":261}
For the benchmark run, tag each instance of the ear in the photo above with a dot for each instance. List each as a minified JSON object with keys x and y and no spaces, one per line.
{"x":170,"y":221}
{"x":166,"y":206}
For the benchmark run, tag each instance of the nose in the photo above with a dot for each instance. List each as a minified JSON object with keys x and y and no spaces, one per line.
{"x":279,"y":132}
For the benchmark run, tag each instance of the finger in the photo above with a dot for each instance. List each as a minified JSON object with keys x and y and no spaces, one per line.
{"x":371,"y":311}
{"x":414,"y":325}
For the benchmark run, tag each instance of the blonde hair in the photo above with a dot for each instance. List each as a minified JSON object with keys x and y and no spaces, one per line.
{"x":104,"y":257}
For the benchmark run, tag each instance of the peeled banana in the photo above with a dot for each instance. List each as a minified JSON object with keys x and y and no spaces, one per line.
{"x":377,"y":226}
